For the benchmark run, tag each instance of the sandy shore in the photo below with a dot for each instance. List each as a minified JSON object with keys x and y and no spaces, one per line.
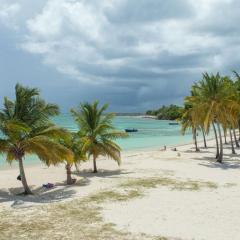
{"x":208,"y":212}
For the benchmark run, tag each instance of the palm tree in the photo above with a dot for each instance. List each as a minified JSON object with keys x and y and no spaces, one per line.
{"x":188,"y":121}
{"x":26,"y":129}
{"x":28,"y":107}
{"x":75,"y":144}
{"x":237,"y":88}
{"x":215,"y":98}
{"x":98,"y":132}
{"x":19,"y":140}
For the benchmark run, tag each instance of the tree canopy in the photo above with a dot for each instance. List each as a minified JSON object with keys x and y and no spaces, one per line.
{"x":171,"y":112}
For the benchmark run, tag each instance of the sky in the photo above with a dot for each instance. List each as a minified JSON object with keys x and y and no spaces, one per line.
{"x":134,"y":54}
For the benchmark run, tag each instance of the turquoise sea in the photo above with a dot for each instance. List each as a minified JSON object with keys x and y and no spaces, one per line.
{"x":151,"y":133}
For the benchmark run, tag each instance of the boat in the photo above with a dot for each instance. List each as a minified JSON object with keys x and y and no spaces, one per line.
{"x":128,"y":130}
{"x":173,"y":123}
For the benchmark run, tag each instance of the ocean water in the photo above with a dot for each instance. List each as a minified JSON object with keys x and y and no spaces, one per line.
{"x":151,"y":133}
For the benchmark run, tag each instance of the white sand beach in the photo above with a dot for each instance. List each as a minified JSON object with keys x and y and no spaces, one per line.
{"x":206,"y":208}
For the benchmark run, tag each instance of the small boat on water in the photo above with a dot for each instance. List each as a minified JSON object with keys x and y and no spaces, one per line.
{"x":128,"y":130}
{"x":173,"y":123}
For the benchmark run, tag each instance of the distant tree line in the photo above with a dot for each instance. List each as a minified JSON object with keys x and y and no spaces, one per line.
{"x":171,"y":112}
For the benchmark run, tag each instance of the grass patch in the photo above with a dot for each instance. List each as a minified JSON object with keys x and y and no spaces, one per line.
{"x":76,"y":219}
{"x":161,"y":238}
{"x":81,"y":218}
{"x":113,"y":196}
{"x":227,"y":185}
{"x":72,"y":220}
{"x":174,"y":184}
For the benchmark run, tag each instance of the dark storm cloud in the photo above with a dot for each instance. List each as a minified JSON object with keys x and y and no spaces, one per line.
{"x":134,"y":54}
{"x":141,"y":11}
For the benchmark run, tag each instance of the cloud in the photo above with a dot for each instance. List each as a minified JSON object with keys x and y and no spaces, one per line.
{"x":142,"y":11}
{"x":8,"y":12}
{"x":90,"y":42}
{"x":139,"y":53}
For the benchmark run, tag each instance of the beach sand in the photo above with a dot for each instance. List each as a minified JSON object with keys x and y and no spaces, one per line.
{"x":173,"y":194}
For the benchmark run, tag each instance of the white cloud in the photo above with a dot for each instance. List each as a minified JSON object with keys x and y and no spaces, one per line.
{"x":8,"y":12}
{"x":144,"y":46}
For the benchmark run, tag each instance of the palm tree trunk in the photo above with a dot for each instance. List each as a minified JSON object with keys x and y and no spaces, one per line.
{"x":69,"y":176}
{"x":233,"y":150}
{"x":225,"y":136}
{"x":220,"y":157}
{"x":23,"y":177}
{"x":77,"y":167}
{"x":239,"y":129}
{"x":204,"y":137}
{"x":195,"y":139}
{"x":235,"y":138}
{"x":216,"y":137}
{"x":94,"y":164}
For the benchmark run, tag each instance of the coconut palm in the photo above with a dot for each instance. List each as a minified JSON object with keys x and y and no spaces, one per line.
{"x":28,"y":107}
{"x":215,"y":102}
{"x":26,"y":129}
{"x":75,"y":144}
{"x":20,"y":139}
{"x":98,"y":132}
{"x":215,"y":98}
{"x":237,"y":88}
{"x":188,"y":121}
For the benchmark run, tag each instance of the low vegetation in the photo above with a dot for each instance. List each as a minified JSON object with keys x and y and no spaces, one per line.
{"x":174,"y":184}
{"x":171,"y":112}
{"x":78,"y":219}
{"x":81,"y":218}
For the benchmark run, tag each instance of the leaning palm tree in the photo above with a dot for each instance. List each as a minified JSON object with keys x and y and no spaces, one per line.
{"x":26,"y":128}
{"x":20,"y":139}
{"x":188,"y":121}
{"x":98,"y":132}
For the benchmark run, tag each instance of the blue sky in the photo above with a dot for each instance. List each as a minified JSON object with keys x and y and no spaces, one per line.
{"x":135,"y":54}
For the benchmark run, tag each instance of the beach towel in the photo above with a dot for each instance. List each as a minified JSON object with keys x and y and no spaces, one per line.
{"x":48,"y":185}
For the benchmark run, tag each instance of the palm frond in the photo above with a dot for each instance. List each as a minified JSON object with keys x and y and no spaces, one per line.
{"x":47,"y":150}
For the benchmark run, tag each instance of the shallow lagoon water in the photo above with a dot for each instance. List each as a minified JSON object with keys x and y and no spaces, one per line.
{"x":151,"y":133}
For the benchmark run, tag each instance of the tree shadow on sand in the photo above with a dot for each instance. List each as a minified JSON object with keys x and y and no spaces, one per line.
{"x":80,"y":183}
{"x":228,"y":163}
{"x":41,"y":195}
{"x":202,"y":150}
{"x":101,"y":173}
{"x":194,"y":151}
